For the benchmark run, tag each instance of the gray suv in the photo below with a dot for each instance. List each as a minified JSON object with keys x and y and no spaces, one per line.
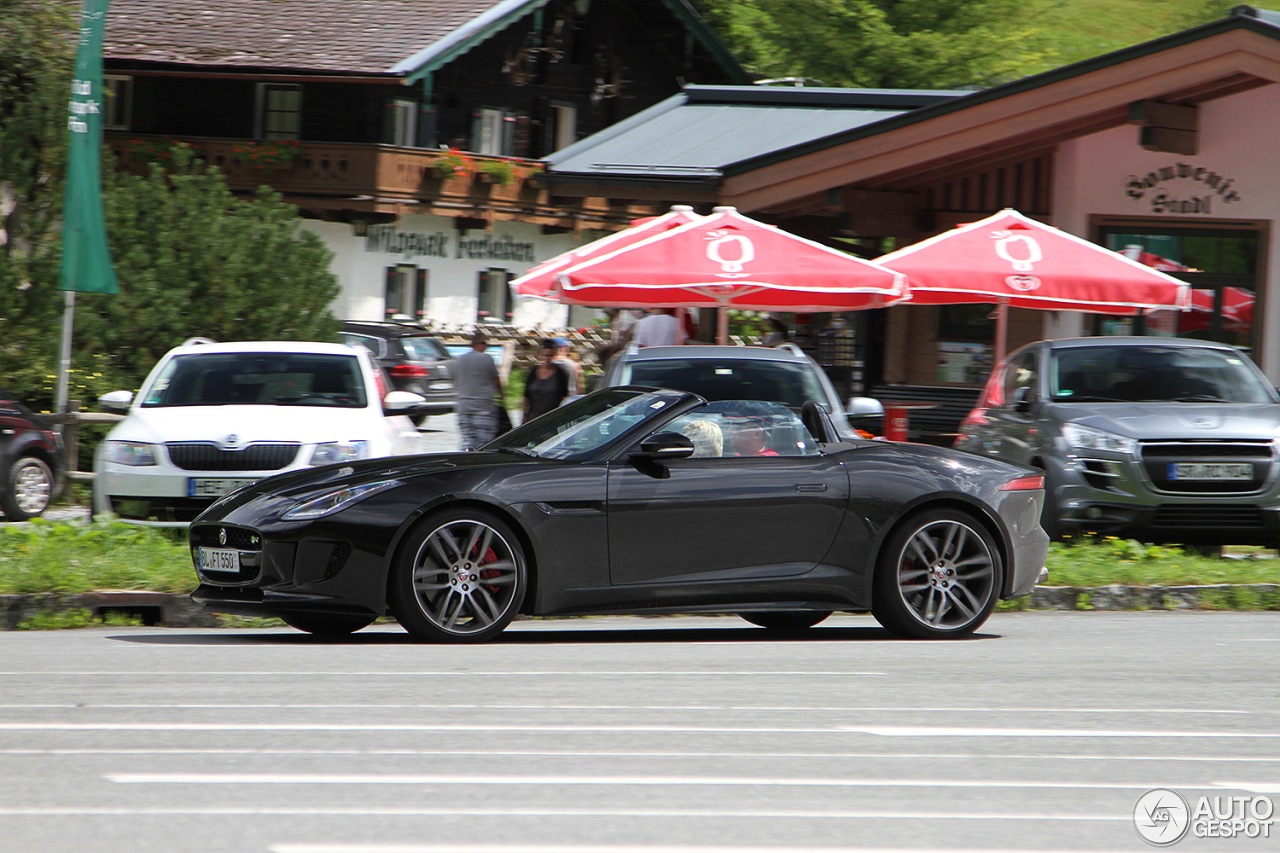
{"x":782,"y":374}
{"x":1158,"y":439}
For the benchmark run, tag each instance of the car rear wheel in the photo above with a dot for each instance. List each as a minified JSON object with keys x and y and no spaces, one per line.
{"x":326,"y":624}
{"x":938,"y":577}
{"x":27,"y":490}
{"x":460,"y":578}
{"x":786,"y":620}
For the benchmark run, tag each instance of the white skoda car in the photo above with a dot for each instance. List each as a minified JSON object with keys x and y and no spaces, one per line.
{"x":213,"y":417}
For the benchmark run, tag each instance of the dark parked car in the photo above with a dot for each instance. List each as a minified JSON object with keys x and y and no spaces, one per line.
{"x":632,"y":501}
{"x":415,"y":360}
{"x":1159,"y":439}
{"x":31,"y":460}
{"x":782,"y":374}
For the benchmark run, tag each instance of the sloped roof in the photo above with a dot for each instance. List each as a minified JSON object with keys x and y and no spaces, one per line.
{"x":703,"y":130}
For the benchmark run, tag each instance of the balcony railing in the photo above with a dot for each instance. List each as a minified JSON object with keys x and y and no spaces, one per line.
{"x":367,"y":177}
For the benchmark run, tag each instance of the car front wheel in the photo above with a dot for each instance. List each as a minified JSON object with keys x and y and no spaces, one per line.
{"x":27,"y":490}
{"x":938,"y":577}
{"x":460,"y":578}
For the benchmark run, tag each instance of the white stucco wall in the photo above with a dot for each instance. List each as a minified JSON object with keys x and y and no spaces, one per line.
{"x":453,"y":261}
{"x":1106,"y":174}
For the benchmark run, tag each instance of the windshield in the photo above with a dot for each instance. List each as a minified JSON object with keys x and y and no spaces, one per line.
{"x":584,"y":426}
{"x":259,"y":379}
{"x":1154,"y":373}
{"x":424,"y":348}
{"x":788,"y":383}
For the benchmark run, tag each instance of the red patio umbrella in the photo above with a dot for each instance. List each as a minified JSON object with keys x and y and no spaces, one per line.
{"x":1010,"y":259}
{"x":539,"y":280}
{"x":727,"y":260}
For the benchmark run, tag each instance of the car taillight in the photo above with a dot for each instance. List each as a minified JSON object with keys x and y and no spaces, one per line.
{"x":408,"y":371}
{"x":1024,"y":484}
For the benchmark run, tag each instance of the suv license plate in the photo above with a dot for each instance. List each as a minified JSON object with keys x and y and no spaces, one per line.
{"x":1210,"y":471}
{"x":220,"y":560}
{"x":202,"y":487}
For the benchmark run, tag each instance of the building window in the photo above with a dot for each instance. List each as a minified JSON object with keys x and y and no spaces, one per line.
{"x":493,"y":297}
{"x":493,"y":132}
{"x":566,"y":126}
{"x":406,"y":293}
{"x":966,"y":322}
{"x":404,"y":123}
{"x":280,"y":111}
{"x":117,"y":106}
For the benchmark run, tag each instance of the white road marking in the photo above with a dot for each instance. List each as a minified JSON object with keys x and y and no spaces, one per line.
{"x":600,"y":753}
{"x":598,"y":781}
{"x":882,"y":731}
{"x":547,"y":707}
{"x":447,"y":847}
{"x":341,"y":811}
{"x":487,"y":673}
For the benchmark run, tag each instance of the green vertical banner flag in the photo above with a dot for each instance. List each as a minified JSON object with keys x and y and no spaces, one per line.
{"x":86,"y":260}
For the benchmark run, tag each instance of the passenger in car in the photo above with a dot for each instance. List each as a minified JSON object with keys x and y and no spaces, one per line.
{"x":707,"y":438}
{"x":751,"y":439}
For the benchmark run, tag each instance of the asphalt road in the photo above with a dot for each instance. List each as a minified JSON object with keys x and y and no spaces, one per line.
{"x":675,"y":735}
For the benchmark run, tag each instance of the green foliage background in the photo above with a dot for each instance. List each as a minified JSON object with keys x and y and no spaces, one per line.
{"x":192,"y":259}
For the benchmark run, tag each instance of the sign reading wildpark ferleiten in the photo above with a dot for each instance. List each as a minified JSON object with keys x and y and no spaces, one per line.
{"x":86,"y":260}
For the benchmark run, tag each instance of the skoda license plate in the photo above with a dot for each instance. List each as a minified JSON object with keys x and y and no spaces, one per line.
{"x":213,"y":487}
{"x":219,"y":560}
{"x":1210,"y":471}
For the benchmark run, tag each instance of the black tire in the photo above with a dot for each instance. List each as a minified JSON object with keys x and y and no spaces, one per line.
{"x":938,"y":577}
{"x":327,"y":624}
{"x":460,"y":577}
{"x":786,"y":620}
{"x":27,"y":489}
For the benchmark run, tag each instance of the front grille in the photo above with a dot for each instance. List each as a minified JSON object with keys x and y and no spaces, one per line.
{"x":1157,"y":457}
{"x":1200,"y":450}
{"x":240,"y":538}
{"x":1208,"y":516}
{"x":203,"y":456}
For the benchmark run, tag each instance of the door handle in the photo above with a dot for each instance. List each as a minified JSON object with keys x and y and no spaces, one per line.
{"x":811,"y":487}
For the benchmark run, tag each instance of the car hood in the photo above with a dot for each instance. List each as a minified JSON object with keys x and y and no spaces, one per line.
{"x":1176,"y":420}
{"x":249,"y":424}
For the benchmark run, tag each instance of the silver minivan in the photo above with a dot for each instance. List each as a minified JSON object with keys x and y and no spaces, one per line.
{"x":1157,"y":439}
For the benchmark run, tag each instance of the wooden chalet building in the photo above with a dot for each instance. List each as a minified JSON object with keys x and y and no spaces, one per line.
{"x":345,"y":107}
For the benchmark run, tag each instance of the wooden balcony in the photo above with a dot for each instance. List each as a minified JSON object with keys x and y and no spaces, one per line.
{"x":327,"y":178}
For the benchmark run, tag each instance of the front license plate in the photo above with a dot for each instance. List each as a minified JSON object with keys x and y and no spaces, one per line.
{"x":219,"y":560}
{"x":1210,"y":471}
{"x":203,"y":487}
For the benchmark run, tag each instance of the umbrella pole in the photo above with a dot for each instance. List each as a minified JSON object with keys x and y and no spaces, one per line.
{"x":722,"y":325}
{"x":1002,"y":330}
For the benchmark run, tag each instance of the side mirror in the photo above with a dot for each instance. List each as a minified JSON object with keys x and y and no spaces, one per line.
{"x":1020,"y":399}
{"x":666,"y":445}
{"x":864,"y":407}
{"x":116,"y":401}
{"x":402,"y":401}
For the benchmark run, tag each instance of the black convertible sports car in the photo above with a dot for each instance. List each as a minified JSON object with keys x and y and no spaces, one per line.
{"x":632,"y":500}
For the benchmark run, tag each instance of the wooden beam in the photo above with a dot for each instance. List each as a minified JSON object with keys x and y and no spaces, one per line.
{"x":1170,"y":140}
{"x":1157,"y":114}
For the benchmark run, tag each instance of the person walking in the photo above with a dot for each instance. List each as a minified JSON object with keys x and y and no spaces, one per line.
{"x":476,"y":380}
{"x":659,"y":328}
{"x":566,"y":362}
{"x":546,"y":385}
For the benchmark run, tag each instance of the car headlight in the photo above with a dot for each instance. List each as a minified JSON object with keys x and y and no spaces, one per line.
{"x":1084,"y":438}
{"x":339,"y":451}
{"x":134,"y":453}
{"x":337,"y":500}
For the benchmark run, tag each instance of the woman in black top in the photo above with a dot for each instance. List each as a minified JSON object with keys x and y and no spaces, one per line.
{"x":546,"y":385}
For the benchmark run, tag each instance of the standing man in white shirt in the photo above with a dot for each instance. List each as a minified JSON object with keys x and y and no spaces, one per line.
{"x":659,"y":328}
{"x":476,"y":380}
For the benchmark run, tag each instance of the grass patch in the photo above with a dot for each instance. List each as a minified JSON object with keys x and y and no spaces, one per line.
{"x":52,"y":556}
{"x":1124,"y":561}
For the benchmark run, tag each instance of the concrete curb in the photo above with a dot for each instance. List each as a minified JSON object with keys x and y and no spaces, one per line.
{"x":174,"y":610}
{"x":170,"y":610}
